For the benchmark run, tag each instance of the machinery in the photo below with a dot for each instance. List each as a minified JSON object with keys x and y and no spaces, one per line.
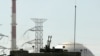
{"x":47,"y":51}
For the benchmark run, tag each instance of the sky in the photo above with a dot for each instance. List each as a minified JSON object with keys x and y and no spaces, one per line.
{"x":59,"y":24}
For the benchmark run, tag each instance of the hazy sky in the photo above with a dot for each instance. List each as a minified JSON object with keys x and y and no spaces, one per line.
{"x":59,"y":24}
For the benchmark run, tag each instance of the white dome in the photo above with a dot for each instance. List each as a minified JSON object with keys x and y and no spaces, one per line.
{"x":78,"y":48}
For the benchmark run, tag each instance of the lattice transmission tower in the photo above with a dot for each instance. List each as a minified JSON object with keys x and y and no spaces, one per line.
{"x":38,"y":33}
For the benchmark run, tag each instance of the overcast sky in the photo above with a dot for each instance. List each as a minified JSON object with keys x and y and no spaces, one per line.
{"x":59,"y":24}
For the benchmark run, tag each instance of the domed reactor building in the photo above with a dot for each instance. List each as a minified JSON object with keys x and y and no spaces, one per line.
{"x":69,"y":46}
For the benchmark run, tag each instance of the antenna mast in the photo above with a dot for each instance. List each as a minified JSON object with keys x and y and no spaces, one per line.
{"x":75,"y":27}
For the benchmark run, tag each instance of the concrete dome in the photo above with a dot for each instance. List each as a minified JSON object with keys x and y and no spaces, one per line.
{"x":78,"y":48}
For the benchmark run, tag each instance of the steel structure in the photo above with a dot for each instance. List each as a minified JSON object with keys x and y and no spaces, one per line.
{"x":38,"y":34}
